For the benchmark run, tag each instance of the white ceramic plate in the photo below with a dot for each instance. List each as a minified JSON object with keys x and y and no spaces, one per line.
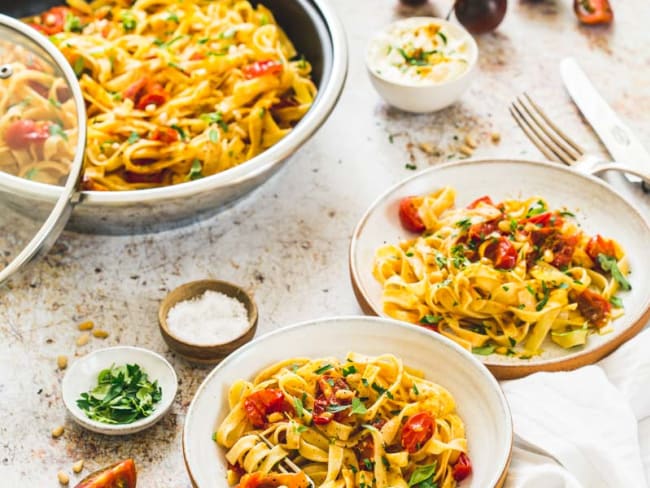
{"x":82,"y":377}
{"x":598,"y":209}
{"x":479,"y":400}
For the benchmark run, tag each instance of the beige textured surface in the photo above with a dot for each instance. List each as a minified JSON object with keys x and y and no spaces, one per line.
{"x":288,"y":241}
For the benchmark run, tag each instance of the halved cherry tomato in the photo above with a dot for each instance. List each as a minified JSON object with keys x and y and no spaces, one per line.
{"x":594,"y":307}
{"x":274,"y":480}
{"x":157,"y":98}
{"x":145,"y":92}
{"x":408,"y":215}
{"x":21,"y":133}
{"x":261,"y":68}
{"x":484,"y":199}
{"x":478,"y":232}
{"x":261,"y":403}
{"x":164,"y":134}
{"x":52,"y":21}
{"x":463,"y":467}
{"x":502,"y":252}
{"x":563,"y":249}
{"x":546,"y":219}
{"x":600,"y":245}
{"x":593,"y":11}
{"x":417,"y":430}
{"x":326,"y":397}
{"x":119,"y":475}
{"x":136,"y":90}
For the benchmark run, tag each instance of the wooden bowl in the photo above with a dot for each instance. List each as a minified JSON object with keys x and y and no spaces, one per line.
{"x":206,"y":353}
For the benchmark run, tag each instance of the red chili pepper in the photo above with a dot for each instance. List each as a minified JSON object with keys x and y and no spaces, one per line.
{"x":463,"y":467}
{"x":261,"y":68}
{"x":409,"y":216}
{"x":593,"y":11}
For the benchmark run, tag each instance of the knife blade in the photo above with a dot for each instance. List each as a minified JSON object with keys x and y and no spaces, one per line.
{"x":620,"y":141}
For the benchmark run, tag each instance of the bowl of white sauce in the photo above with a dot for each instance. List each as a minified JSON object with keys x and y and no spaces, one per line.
{"x":204,"y":321}
{"x":421,"y":64}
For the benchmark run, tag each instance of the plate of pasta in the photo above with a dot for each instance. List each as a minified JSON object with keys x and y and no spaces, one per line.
{"x":529,"y":273}
{"x":349,"y":402}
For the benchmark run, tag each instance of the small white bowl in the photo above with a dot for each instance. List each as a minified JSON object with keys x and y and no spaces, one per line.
{"x":420,"y":96}
{"x":82,"y":377}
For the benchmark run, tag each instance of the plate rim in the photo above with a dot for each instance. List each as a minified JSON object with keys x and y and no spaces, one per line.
{"x":496,"y":387}
{"x":507,"y":371}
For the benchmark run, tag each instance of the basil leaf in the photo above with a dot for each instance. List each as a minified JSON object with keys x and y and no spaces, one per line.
{"x":300,"y":409}
{"x":484,"y":350}
{"x":358,"y":407}
{"x":610,"y":264}
{"x":422,"y":473}
{"x":324,"y":368}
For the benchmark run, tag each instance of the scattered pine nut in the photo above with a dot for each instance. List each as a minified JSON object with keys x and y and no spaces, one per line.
{"x":83,"y":339}
{"x":57,"y":431}
{"x":78,"y":466}
{"x":466,"y":150}
{"x":496,"y":137}
{"x":87,"y":325}
{"x":100,"y":333}
{"x":470,"y":141}
{"x":426,"y":147}
{"x":64,"y":479}
{"x":62,"y":362}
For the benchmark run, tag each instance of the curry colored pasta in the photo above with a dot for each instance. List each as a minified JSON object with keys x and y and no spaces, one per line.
{"x":367,"y":421}
{"x":176,"y":91}
{"x":501,"y":277}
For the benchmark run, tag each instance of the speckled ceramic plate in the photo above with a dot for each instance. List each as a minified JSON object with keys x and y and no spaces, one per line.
{"x":598,"y":209}
{"x":479,"y":400}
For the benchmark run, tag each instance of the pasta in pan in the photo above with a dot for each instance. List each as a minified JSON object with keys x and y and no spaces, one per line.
{"x":176,"y":91}
{"x":501,"y":277}
{"x":365,"y":422}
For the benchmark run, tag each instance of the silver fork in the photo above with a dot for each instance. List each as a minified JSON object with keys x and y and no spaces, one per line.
{"x":557,"y":146}
{"x":291,"y":467}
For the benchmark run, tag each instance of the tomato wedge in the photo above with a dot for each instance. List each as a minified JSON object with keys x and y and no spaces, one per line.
{"x":261,"y":68}
{"x":261,"y":403}
{"x":417,"y":430}
{"x":52,"y":21}
{"x":502,"y":252}
{"x":119,"y":475}
{"x":600,"y":245}
{"x":274,"y":480}
{"x":593,"y":11}
{"x":145,"y":92}
{"x":164,"y":134}
{"x":463,"y":467}
{"x":409,"y":216}
{"x":593,"y":307}
{"x":21,"y":133}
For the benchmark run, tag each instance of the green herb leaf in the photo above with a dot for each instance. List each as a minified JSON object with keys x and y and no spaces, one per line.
{"x":129,"y":21}
{"x":56,"y":130}
{"x":464,"y":224}
{"x":410,"y":166}
{"x":542,"y":303}
{"x":431,"y":319}
{"x":337,"y":408}
{"x":616,"y":302}
{"x":415,"y":389}
{"x":196,"y":170}
{"x":324,"y":368}
{"x":31,"y":174}
{"x":216,"y":118}
{"x":72,"y":23}
{"x":536,"y":208}
{"x":78,"y":66}
{"x":172,"y":17}
{"x":203,"y":40}
{"x":442,"y":36}
{"x":484,"y":350}
{"x":300,"y":408}
{"x":134,"y":137}
{"x":349,"y":370}
{"x":512,"y":341}
{"x":378,"y":388}
{"x":181,"y":132}
{"x":358,"y":407}
{"x":213,"y":135}
{"x":609,"y":263}
{"x":422,"y":473}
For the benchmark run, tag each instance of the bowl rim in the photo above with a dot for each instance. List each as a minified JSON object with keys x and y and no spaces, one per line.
{"x":120,"y":429}
{"x":471,"y":64}
{"x":334,"y":77}
{"x":478,"y":365}
{"x":166,"y":305}
{"x":504,"y":371}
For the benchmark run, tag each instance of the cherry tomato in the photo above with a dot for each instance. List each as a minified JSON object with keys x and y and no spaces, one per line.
{"x":119,"y":475}
{"x":408,"y":215}
{"x":600,"y":245}
{"x":593,"y":11}
{"x":593,"y":307}
{"x":503,"y":253}
{"x":463,"y":467}
{"x":145,"y":92}
{"x":157,"y":98}
{"x":326,"y":397}
{"x":480,"y":16}
{"x":261,"y":68}
{"x":563,"y":249}
{"x":261,"y":403}
{"x":136,"y":90}
{"x":478,"y":232}
{"x":546,"y":219}
{"x":417,"y":430}
{"x":52,"y":21}
{"x":164,"y":134}
{"x":274,"y":480}
{"x":21,"y":133}
{"x":484,"y":199}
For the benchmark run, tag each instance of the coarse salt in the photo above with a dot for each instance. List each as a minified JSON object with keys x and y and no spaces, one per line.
{"x":212,"y":318}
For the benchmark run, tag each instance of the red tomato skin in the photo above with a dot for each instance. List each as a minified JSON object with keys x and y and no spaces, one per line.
{"x":261,"y":403}
{"x":261,"y":68}
{"x":119,"y":475}
{"x":164,"y":134}
{"x":21,"y":133}
{"x":600,"y":245}
{"x":52,"y":21}
{"x":484,"y":199}
{"x":593,"y":11}
{"x":463,"y":467}
{"x":417,"y":430}
{"x":409,"y":217}
{"x":563,"y":251}
{"x":546,"y":219}
{"x":156,"y":98}
{"x":594,"y":307}
{"x":503,"y":253}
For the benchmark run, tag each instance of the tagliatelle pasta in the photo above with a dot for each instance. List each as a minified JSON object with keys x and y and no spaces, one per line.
{"x":501,"y":277}
{"x":178,"y":90}
{"x":363,"y":422}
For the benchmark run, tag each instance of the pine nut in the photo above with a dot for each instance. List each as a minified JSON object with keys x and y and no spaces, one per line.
{"x":87,"y":325}
{"x":470,"y":141}
{"x":78,"y":466}
{"x":83,"y":339}
{"x":496,"y":137}
{"x":57,"y":431}
{"x":64,"y":479}
{"x":62,"y":362}
{"x":426,"y":147}
{"x":466,"y":150}
{"x":100,"y":333}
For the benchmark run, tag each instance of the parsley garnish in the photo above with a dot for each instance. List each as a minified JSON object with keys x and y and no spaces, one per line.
{"x":133,"y":137}
{"x":195,"y":171}
{"x":349,"y":370}
{"x":301,"y":428}
{"x":172,"y":17}
{"x":464,"y":224}
{"x":181,"y":132}
{"x":542,"y":303}
{"x":610,"y":264}
{"x":415,"y":389}
{"x":128,"y":20}
{"x":536,"y":208}
{"x":442,"y":36}
{"x":484,"y":350}
{"x":324,"y":368}
{"x":512,"y":341}
{"x":358,"y":406}
{"x":431,"y":319}
{"x":214,"y":135}
{"x":410,"y":166}
{"x":300,"y":409}
{"x":57,"y":130}
{"x":216,"y":118}
{"x":616,"y":302}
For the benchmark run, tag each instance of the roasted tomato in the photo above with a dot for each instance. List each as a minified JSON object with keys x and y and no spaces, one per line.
{"x":274,"y":480}
{"x":484,"y":199}
{"x":463,"y":467}
{"x":261,"y":68}
{"x":119,"y":475}
{"x":546,"y":219}
{"x":164,"y":134}
{"x":409,"y":216}
{"x":478,"y":232}
{"x":593,"y":307}
{"x":593,"y":11}
{"x":417,"y":430}
{"x":145,"y":92}
{"x":563,"y":248}
{"x":52,"y":21}
{"x":326,"y":399}
{"x":21,"y":133}
{"x":600,"y":245}
{"x":259,"y":404}
{"x":502,"y":253}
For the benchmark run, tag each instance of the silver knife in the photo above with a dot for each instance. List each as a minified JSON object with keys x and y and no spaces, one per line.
{"x":619,"y":140}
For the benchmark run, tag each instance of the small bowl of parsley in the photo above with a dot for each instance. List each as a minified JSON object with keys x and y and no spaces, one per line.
{"x":119,"y":390}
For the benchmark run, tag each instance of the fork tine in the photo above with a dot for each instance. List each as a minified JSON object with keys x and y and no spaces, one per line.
{"x":292,"y":466}
{"x":514,"y":111}
{"x":559,"y":132}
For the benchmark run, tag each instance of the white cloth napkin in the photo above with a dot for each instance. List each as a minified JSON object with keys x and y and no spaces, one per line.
{"x":586,"y":428}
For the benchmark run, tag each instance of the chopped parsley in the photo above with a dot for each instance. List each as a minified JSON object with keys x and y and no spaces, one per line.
{"x":431,"y":319}
{"x":415,"y":389}
{"x":347,"y":370}
{"x":536,"y":208}
{"x":133,"y":137}
{"x":512,"y":341}
{"x":216,"y":118}
{"x":323,"y":368}
{"x":172,"y":17}
{"x":616,"y":302}
{"x":300,"y":408}
{"x":301,"y":428}
{"x":56,"y":130}
{"x":410,"y":166}
{"x":72,"y":23}
{"x":464,"y":224}
{"x":129,"y":22}
{"x":484,"y":350}
{"x":181,"y":132}
{"x":542,"y":303}
{"x":213,"y":135}
{"x":196,"y":171}
{"x":78,"y":66}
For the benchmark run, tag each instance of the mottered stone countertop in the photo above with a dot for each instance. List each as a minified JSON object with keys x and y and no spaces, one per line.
{"x":287,"y":242}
